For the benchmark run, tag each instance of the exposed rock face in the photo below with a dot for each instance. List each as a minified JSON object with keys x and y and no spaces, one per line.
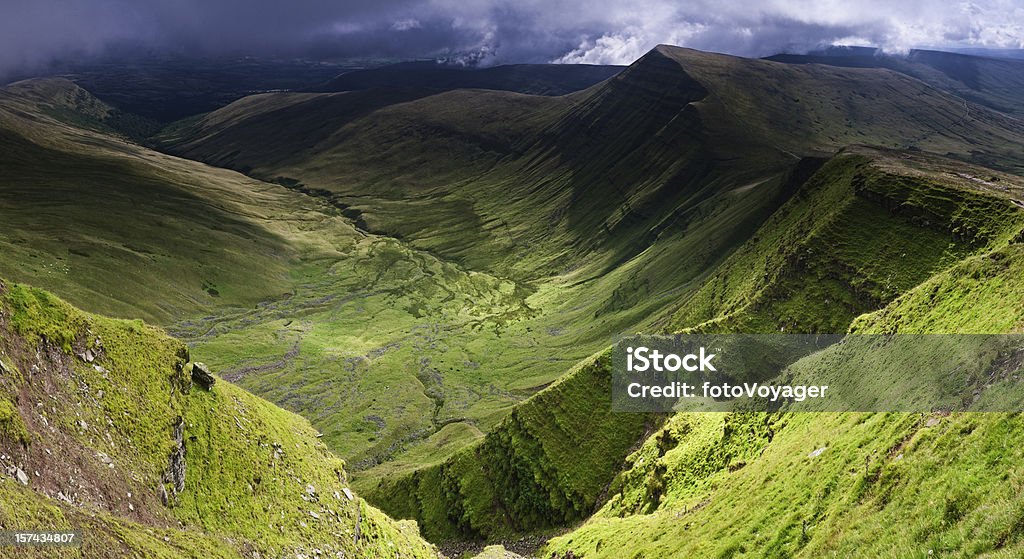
{"x":202,"y":376}
{"x":181,"y":379}
{"x":175,"y":473}
{"x":182,"y":355}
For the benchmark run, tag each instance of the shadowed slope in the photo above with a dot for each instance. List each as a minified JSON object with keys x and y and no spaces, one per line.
{"x":997,"y":83}
{"x":585,"y":168}
{"x":120,"y":228}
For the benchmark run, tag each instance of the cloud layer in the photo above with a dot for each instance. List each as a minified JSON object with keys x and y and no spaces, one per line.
{"x":36,"y":32}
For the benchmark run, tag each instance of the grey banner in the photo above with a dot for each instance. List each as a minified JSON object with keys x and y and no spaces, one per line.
{"x":827,"y":373}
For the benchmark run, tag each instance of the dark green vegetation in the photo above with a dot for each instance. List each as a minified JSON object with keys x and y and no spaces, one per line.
{"x":103,"y":430}
{"x":165,"y":89}
{"x":544,"y":465}
{"x":432,"y":278}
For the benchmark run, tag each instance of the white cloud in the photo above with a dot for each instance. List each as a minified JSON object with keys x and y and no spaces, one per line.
{"x":607,"y":49}
{"x":772,"y":26}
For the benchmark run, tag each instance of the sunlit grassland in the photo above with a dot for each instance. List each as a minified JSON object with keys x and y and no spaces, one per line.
{"x":106,"y":434}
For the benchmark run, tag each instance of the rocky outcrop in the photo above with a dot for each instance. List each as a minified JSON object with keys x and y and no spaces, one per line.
{"x":202,"y":376}
{"x":21,"y":476}
{"x":182,"y":379}
{"x":174,"y":476}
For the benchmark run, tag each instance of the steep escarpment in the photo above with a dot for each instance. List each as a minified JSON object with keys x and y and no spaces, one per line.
{"x":103,"y":430}
{"x":849,"y":484}
{"x":866,"y":228}
{"x":547,"y":464}
{"x":811,"y":485}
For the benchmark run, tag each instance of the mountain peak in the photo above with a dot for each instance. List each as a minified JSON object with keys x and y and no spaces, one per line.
{"x":815,"y":109}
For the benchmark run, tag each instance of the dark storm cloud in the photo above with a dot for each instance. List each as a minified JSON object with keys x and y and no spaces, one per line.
{"x":34,"y":32}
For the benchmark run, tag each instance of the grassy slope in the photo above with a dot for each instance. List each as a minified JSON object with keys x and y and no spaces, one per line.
{"x":794,"y":274}
{"x":121,"y":229}
{"x":867,"y":227}
{"x":885,"y":485}
{"x":96,"y":439}
{"x":731,"y":485}
{"x":539,"y":468}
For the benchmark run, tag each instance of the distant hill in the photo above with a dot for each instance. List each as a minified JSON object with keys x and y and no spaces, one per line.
{"x":536,"y":79}
{"x":996,"y":82}
{"x":164,"y":89}
{"x":1017,"y":54}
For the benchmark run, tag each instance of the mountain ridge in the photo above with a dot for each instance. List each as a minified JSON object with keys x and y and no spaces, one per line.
{"x":991,"y":81}
{"x":535,"y":79}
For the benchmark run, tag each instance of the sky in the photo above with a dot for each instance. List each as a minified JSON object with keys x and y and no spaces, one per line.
{"x":34,"y":33}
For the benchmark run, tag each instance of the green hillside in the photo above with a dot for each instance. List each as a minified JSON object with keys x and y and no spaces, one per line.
{"x":107,"y":433}
{"x":857,"y":485}
{"x":869,"y":226}
{"x":432,"y":280}
{"x":822,"y":484}
{"x":123,"y":230}
{"x":545,"y":465}
{"x":795,"y":274}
